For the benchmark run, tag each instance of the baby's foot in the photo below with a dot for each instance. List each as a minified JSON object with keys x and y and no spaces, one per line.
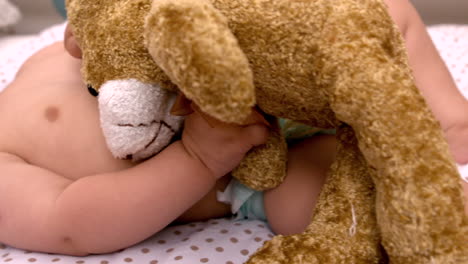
{"x":457,"y":138}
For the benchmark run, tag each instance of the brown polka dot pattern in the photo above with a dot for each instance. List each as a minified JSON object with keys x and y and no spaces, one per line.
{"x":219,"y":241}
{"x":208,"y":246}
{"x":452,"y":43}
{"x":194,"y":248}
{"x":219,"y":249}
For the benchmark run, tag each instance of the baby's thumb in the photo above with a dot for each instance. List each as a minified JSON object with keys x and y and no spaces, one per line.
{"x":257,"y":134}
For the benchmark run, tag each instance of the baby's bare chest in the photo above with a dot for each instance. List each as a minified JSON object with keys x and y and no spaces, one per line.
{"x":55,"y":127}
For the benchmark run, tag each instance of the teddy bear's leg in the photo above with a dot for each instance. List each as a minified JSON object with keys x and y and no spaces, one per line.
{"x":264,"y":167}
{"x":343,"y":228}
{"x":419,"y":201}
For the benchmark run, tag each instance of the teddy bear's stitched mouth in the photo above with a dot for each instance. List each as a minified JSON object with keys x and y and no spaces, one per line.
{"x":160,"y":123}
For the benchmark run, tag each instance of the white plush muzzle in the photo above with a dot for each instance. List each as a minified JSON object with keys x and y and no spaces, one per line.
{"x":136,"y":119}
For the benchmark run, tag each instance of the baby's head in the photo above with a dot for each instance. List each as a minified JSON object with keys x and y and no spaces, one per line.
{"x":71,"y":46}
{"x":108,"y":36}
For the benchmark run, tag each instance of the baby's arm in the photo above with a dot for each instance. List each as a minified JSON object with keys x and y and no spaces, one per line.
{"x":43,"y":211}
{"x":433,"y":78}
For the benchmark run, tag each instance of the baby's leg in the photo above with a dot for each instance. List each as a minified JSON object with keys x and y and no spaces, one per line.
{"x":289,"y":206}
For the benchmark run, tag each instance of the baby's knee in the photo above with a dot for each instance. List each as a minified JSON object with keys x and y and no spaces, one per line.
{"x":318,"y":152}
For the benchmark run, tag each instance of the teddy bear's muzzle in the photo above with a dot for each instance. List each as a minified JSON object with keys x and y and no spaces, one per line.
{"x":136,"y":119}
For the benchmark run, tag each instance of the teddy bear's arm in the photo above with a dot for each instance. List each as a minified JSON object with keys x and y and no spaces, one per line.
{"x":191,"y":41}
{"x":264,"y":167}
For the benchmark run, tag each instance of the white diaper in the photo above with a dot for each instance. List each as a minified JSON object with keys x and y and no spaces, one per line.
{"x":246,"y":203}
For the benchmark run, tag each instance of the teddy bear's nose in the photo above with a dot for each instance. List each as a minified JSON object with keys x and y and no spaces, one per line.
{"x":92,"y":91}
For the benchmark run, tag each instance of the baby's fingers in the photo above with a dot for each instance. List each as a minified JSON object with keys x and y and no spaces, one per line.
{"x":257,"y":134}
{"x":254,"y":118}
{"x":182,"y":106}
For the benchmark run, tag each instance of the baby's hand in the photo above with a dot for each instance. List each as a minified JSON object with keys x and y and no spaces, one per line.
{"x":221,"y":146}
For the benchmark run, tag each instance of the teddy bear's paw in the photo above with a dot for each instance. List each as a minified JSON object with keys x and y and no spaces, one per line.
{"x":280,"y":250}
{"x":308,"y":248}
{"x":136,"y":119}
{"x":426,"y":259}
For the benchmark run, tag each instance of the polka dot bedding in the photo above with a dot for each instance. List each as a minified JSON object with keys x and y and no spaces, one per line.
{"x":219,"y":241}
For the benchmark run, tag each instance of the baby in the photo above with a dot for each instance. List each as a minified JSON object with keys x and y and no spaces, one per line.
{"x":57,"y":171}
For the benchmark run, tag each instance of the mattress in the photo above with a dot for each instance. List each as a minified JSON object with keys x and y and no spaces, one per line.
{"x":219,"y":241}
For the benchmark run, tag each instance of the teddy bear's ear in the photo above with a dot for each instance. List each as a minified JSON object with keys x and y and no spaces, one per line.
{"x":191,"y":41}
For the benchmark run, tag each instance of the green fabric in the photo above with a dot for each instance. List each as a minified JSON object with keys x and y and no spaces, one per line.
{"x":251,"y":200}
{"x":295,"y":132}
{"x":60,"y":6}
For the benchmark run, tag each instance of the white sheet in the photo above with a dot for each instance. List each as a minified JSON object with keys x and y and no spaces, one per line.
{"x":219,"y":241}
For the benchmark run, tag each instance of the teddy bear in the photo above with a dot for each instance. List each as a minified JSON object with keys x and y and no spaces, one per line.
{"x":393,"y":193}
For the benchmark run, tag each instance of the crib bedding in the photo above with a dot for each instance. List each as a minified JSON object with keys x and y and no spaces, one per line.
{"x":219,"y":241}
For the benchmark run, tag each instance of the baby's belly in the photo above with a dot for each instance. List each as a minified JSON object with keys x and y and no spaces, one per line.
{"x":55,"y":127}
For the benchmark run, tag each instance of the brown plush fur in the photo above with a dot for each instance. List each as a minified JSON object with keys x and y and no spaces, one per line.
{"x":324,"y":63}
